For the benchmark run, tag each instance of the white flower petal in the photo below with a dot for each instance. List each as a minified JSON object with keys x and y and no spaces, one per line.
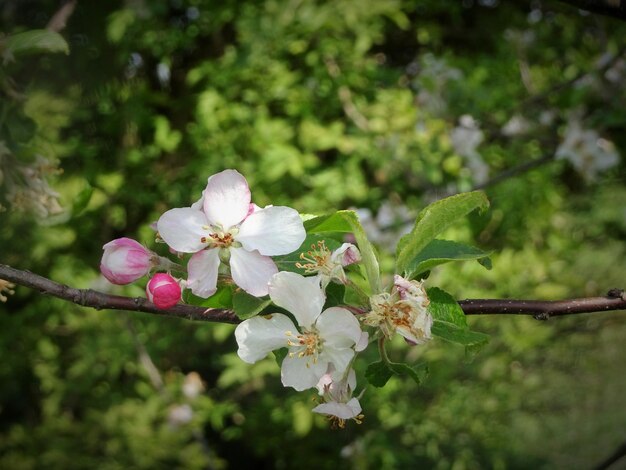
{"x":363,"y":342}
{"x":301,"y":373}
{"x":273,"y":231}
{"x":182,"y":229}
{"x":339,"y":328}
{"x":258,"y":336}
{"x":251,"y":271}
{"x":349,"y":410}
{"x":202,"y":269}
{"x":226,"y":198}
{"x":299,"y":295}
{"x":340,"y":358}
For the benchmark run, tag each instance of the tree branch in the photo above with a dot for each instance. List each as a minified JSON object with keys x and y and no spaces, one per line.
{"x":613,"y":8}
{"x":539,"y":309}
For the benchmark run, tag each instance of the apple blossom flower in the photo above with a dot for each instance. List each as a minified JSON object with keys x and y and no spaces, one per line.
{"x":124,"y":260}
{"x":404,"y":311}
{"x":329,"y":266}
{"x":338,"y":403}
{"x":163,"y":291}
{"x":588,"y":153}
{"x":328,"y":337}
{"x":223,"y":226}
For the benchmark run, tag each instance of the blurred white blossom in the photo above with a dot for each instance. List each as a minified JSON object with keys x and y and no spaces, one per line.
{"x":465,"y":138}
{"x":588,"y":153}
{"x":391,"y":222}
{"x":517,"y":125}
{"x":434,"y":76}
{"x":192,"y":386}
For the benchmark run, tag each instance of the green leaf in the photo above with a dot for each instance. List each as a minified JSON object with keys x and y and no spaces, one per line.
{"x":334,"y":295}
{"x":328,"y":223}
{"x":444,"y":308}
{"x":456,"y":334}
{"x":443,"y":251}
{"x":450,"y":323}
{"x":247,"y":306}
{"x":223,"y":298}
{"x":433,"y":220}
{"x":368,"y":255}
{"x":418,"y":373}
{"x":379,"y":373}
{"x":288,"y":262}
{"x":280,"y":355}
{"x":348,"y":222}
{"x":34,"y":41}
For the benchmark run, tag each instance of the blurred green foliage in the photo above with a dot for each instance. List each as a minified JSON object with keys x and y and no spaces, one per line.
{"x":322,"y":106}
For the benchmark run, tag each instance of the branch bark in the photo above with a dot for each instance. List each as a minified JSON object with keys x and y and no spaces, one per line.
{"x":539,"y":309}
{"x":613,"y":8}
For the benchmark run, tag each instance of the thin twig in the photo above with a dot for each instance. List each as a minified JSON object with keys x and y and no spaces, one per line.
{"x":540,"y":310}
{"x":613,"y":8}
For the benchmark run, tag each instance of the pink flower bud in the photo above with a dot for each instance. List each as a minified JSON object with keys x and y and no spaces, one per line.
{"x":163,"y":291}
{"x":347,"y":254}
{"x":124,"y":260}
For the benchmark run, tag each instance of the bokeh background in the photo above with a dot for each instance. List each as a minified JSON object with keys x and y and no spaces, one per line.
{"x":377,"y":105}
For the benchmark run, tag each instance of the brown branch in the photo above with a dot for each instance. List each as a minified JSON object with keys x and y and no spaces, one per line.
{"x":99,"y":300}
{"x":613,"y":8}
{"x":540,"y":310}
{"x":619,"y":453}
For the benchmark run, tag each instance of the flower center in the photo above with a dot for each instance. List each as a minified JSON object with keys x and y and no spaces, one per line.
{"x":219,"y":238}
{"x":318,"y":259}
{"x":307,"y":344}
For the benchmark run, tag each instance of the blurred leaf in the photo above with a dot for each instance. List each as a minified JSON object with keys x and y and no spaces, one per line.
{"x":433,"y":220}
{"x":444,"y":251}
{"x":82,"y":200}
{"x":32,"y":42}
{"x":246,"y":305}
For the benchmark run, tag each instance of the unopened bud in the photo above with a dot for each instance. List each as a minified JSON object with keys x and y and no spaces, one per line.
{"x":163,"y":291}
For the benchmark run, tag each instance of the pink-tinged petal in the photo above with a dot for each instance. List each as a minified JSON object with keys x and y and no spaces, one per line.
{"x":202,"y":269}
{"x":346,"y":254}
{"x":251,"y":271}
{"x":124,"y":260}
{"x":340,"y":358}
{"x":182,"y":229}
{"x":301,"y":373}
{"x":349,"y":410}
{"x":339,"y":328}
{"x":258,"y":336}
{"x":299,"y":295}
{"x":273,"y":231}
{"x":226,"y":198}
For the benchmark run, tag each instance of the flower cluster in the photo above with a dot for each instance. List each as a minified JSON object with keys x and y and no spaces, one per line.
{"x":230,"y":239}
{"x":225,"y":233}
